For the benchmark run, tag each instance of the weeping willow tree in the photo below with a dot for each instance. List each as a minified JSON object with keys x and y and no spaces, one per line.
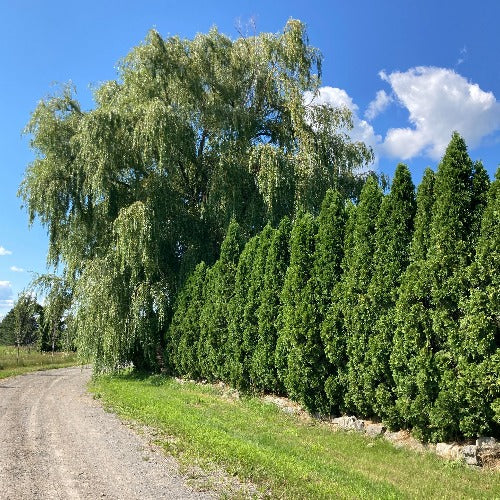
{"x":192,"y":133}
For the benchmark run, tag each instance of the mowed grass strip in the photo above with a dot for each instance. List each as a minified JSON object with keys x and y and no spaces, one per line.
{"x":281,"y":454}
{"x":31,"y":360}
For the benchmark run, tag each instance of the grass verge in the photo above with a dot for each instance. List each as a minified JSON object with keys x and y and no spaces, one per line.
{"x":31,"y":360}
{"x":284,"y":456}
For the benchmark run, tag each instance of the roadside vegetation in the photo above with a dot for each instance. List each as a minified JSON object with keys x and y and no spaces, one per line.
{"x":31,"y":360}
{"x":284,"y":456}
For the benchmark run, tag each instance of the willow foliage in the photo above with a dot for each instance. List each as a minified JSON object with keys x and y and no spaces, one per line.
{"x":138,"y":190}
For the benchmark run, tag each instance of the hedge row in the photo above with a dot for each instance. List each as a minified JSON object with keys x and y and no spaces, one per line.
{"x":388,"y":309}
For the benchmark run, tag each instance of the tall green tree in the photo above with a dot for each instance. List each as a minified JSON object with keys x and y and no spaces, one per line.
{"x":329,"y":252}
{"x":391,"y":257}
{"x":263,"y":368}
{"x":478,"y":388}
{"x":412,"y":356}
{"x":455,"y":213}
{"x":138,"y":190}
{"x":303,"y":365}
{"x":184,"y":330}
{"x":239,"y":321}
{"x":358,"y":316}
{"x":333,"y":328}
{"x":215,"y":315}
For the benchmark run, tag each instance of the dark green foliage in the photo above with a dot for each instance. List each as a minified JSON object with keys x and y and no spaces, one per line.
{"x":411,"y":359}
{"x":253,"y":301}
{"x":391,"y":258}
{"x":333,"y":331}
{"x":455,"y":213}
{"x":184,"y":331}
{"x":301,"y":360}
{"x":478,"y":389}
{"x":214,"y":318}
{"x":358,"y":316}
{"x":8,"y":329}
{"x":239,"y":321}
{"x":263,"y":367}
{"x":328,"y":258}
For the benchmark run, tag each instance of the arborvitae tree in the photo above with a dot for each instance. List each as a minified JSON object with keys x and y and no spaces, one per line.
{"x":333,"y":331}
{"x":302,"y":366}
{"x":478,"y":390}
{"x":214,"y":318}
{"x":263,"y":368}
{"x":450,"y":254}
{"x":391,"y":258}
{"x":329,"y":252}
{"x":235,"y":370}
{"x":329,"y":249}
{"x":358,"y":318}
{"x":252,"y":303}
{"x":184,"y":331}
{"x":411,"y":359}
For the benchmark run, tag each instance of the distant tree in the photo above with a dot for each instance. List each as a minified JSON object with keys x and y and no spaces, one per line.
{"x":263,"y":368}
{"x":58,"y":298}
{"x":7,"y":329}
{"x":394,"y":230}
{"x":358,"y":316}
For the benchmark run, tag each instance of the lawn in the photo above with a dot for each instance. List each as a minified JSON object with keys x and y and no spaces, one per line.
{"x":286,"y":457}
{"x":32,"y":360}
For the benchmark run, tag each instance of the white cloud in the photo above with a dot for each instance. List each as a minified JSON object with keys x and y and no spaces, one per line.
{"x":4,"y":251}
{"x":335,"y":97}
{"x":379,"y":104}
{"x":6,"y":299}
{"x":439,"y":101}
{"x":17,"y":269}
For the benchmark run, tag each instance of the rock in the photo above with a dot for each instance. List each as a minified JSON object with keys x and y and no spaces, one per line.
{"x":486,"y":443}
{"x":349,"y":423}
{"x":469,"y":454}
{"x":375,"y":429}
{"x":450,"y":451}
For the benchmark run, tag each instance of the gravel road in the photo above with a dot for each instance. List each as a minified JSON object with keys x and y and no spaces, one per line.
{"x":56,"y":442}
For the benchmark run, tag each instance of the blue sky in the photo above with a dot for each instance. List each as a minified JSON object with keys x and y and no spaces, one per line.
{"x":411,"y":70}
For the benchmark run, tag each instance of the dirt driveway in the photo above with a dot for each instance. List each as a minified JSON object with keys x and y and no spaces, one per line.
{"x":56,"y":442}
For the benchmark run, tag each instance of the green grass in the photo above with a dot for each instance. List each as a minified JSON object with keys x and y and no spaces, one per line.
{"x":284,"y":456}
{"x":31,"y":360}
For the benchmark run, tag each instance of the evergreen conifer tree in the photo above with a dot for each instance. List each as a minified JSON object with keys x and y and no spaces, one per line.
{"x":391,"y":257}
{"x":184,"y":330}
{"x":333,"y":331}
{"x":411,"y":359}
{"x":263,"y":368}
{"x":214,"y":318}
{"x":235,"y":360}
{"x":455,"y":213}
{"x":303,"y":367}
{"x":252,"y":303}
{"x":357,"y":316}
{"x":478,"y":390}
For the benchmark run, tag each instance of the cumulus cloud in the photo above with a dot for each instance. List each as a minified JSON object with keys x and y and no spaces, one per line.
{"x":6,"y":299}
{"x":379,"y":104}
{"x":439,"y":101}
{"x":4,"y":251}
{"x":335,"y":97}
{"x":17,"y":269}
